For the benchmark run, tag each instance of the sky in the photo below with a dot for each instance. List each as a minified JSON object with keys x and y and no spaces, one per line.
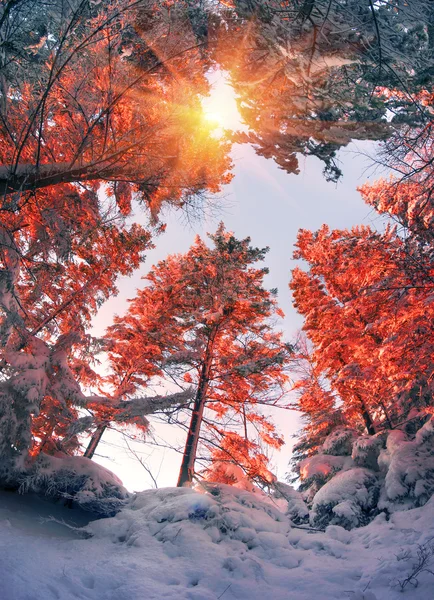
{"x":270,"y":206}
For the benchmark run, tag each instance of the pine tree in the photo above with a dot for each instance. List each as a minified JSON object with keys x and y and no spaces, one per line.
{"x":406,"y":353}
{"x":337,"y":72}
{"x":91,"y":121}
{"x":316,"y":402}
{"x":203,"y":320}
{"x":368,"y":307}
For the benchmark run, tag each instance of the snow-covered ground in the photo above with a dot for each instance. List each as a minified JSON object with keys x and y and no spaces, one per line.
{"x":178,"y":544}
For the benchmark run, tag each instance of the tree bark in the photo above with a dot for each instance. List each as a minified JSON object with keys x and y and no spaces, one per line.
{"x":94,"y":441}
{"x":29,"y":177}
{"x":369,"y":423}
{"x":246,"y":437}
{"x":186,"y":471}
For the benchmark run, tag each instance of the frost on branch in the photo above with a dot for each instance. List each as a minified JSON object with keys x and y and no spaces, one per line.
{"x":366,"y":450}
{"x":339,"y":442}
{"x":134,"y":410}
{"x":137,"y":407}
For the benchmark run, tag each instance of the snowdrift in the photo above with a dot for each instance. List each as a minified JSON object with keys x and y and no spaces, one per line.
{"x":219,"y":543}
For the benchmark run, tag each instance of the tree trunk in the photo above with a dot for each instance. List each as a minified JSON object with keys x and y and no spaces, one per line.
{"x":367,"y":419}
{"x":369,"y":423}
{"x":386,"y":414}
{"x":94,"y":441}
{"x":29,"y":177}
{"x":186,"y":471}
{"x":246,"y":437}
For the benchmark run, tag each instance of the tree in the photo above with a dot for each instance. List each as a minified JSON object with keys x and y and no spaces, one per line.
{"x":317,"y":403}
{"x":103,"y":104}
{"x":312,"y":76}
{"x":349,"y":311}
{"x":91,"y":122}
{"x":368,"y":307}
{"x":406,"y":353}
{"x":206,"y":315}
{"x":330,"y":322}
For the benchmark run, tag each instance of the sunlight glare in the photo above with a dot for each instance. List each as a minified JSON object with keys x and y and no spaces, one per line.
{"x":220,"y":109}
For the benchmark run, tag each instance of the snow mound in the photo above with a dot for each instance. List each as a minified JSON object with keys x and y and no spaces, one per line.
{"x":80,"y":480}
{"x":221,"y":512}
{"x":227,"y":543}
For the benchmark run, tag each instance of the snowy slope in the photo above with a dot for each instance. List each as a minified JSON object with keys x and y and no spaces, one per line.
{"x":177,"y":544}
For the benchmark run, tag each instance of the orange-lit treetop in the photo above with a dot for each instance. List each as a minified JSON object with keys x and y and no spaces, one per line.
{"x":203,"y":320}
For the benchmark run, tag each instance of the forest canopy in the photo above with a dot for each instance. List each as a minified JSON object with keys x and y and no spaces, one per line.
{"x":101,"y":120}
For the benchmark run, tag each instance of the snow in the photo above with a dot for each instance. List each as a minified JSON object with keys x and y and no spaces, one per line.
{"x":88,"y":484}
{"x":295,"y":508}
{"x":221,"y":542}
{"x":349,"y":497}
{"x":409,"y":479}
{"x":339,"y":442}
{"x":366,"y":450}
{"x":389,"y":471}
{"x":323,"y":465}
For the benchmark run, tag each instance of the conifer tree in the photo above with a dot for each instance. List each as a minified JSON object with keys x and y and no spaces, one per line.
{"x":204,"y":320}
{"x":368,"y":307}
{"x":92,"y":120}
{"x":317,"y":403}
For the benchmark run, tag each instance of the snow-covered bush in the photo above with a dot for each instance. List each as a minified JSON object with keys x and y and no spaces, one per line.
{"x":393,"y":441}
{"x":339,"y":442}
{"x":409,"y":480}
{"x":322,"y":466}
{"x":334,"y":456}
{"x":77,"y":479}
{"x":416,"y":418}
{"x":296,"y":508}
{"x":392,"y":470}
{"x":316,"y":470}
{"x":349,"y":499}
{"x":366,"y":450}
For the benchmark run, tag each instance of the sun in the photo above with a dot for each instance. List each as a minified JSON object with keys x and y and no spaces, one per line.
{"x":220,"y":109}
{"x":217,"y":118}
